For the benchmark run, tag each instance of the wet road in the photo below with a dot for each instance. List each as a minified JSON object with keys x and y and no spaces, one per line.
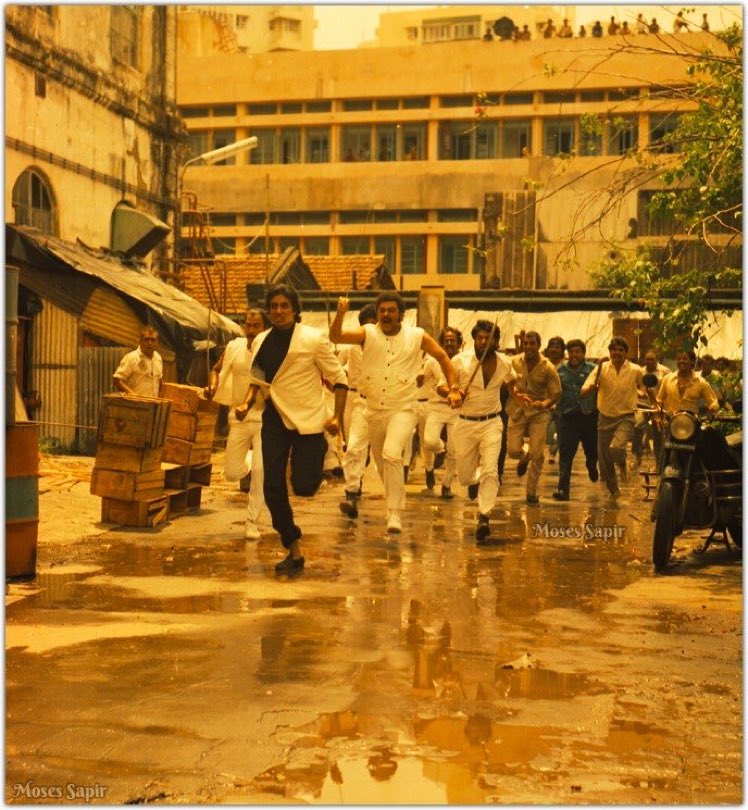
{"x":550,"y":667}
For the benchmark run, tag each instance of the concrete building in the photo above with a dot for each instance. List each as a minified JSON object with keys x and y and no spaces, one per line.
{"x":245,"y":28}
{"x":468,"y":164}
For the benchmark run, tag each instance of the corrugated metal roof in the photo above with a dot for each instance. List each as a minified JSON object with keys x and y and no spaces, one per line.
{"x":181,"y":315}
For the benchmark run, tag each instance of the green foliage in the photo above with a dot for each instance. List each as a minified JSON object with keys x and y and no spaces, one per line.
{"x":703,"y":196}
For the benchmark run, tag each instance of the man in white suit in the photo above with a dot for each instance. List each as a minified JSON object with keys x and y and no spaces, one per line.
{"x":290,"y":361}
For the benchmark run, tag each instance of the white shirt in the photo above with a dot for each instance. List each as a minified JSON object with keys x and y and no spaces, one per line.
{"x":481,"y":400}
{"x":389,"y":367}
{"x":140,"y":373}
{"x":233,"y":381}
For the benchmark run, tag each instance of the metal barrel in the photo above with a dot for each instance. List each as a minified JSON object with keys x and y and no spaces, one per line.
{"x":21,"y":499}
{"x":11,"y":340}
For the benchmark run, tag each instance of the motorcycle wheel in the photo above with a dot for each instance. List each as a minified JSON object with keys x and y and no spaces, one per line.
{"x":735,"y":530}
{"x":664,"y":532}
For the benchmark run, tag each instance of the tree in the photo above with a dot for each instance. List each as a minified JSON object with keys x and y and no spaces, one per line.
{"x":702,"y":194}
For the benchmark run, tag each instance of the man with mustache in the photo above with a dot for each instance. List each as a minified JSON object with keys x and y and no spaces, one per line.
{"x":391,"y":360}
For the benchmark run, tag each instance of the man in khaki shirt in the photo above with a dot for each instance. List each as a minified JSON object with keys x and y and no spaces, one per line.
{"x":618,"y":384}
{"x":682,"y":390}
{"x":537,"y":389}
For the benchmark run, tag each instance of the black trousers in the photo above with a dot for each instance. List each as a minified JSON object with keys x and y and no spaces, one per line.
{"x":574,"y":428}
{"x":307,"y":454}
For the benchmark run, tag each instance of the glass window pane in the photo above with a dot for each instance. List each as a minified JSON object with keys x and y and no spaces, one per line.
{"x":355,"y":144}
{"x":386,"y":143}
{"x":660,"y":126}
{"x":223,"y":246}
{"x":354,"y":245}
{"x":261,"y":109}
{"x":416,"y":103}
{"x":316,"y":218}
{"x":414,"y":142}
{"x":317,"y":246}
{"x":516,"y":138}
{"x":263,"y":152}
{"x":290,"y":145}
{"x":223,"y":137}
{"x":387,"y":245}
{"x":224,"y":110}
{"x":387,"y":103}
{"x":318,"y":145}
{"x":318,"y":106}
{"x":453,"y":254}
{"x":356,"y":104}
{"x":559,"y":136}
{"x":412,"y":254}
{"x":623,"y":135}
{"x":484,"y":138}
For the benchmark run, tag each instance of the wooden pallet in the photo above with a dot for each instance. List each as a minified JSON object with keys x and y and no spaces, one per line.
{"x":143,"y":514}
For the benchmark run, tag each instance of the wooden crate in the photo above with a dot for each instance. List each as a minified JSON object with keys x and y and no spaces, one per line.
{"x":192,"y":426}
{"x":194,"y":494}
{"x":200,"y":474}
{"x":128,"y":459}
{"x":176,"y":451}
{"x":142,"y":513}
{"x":176,"y":476}
{"x":201,"y":455}
{"x":127,"y":486}
{"x":177,"y":501}
{"x":187,"y":399}
{"x":133,"y":421}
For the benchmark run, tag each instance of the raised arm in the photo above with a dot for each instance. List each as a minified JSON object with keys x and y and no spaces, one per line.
{"x":340,"y":335}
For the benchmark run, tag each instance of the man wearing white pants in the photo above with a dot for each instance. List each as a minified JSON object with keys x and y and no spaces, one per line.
{"x":229,"y":383}
{"x":391,"y":359}
{"x":477,"y":432}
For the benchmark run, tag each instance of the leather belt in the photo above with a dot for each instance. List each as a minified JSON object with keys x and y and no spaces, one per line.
{"x":479,"y":418}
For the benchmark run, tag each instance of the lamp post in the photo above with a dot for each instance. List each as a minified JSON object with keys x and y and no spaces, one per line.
{"x":223,"y":152}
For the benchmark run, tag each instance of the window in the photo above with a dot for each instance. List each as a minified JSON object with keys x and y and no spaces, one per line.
{"x":356,"y":104}
{"x":224,"y":110}
{"x":450,"y":29}
{"x":123,"y":38}
{"x":413,"y":216}
{"x":261,"y":109}
{"x":254,"y":218}
{"x":32,"y":202}
{"x":384,"y":216}
{"x":224,"y":246}
{"x":223,"y":137}
{"x":623,"y":135}
{"x":386,"y":104}
{"x":660,"y":129}
{"x":651,"y":224}
{"x":416,"y":103}
{"x":317,"y":246}
{"x":318,"y":145}
{"x":414,"y":142}
{"x":387,"y":245}
{"x":456,"y":101}
{"x":355,"y":144}
{"x":457,"y":215}
{"x":291,"y":107}
{"x":285,"y":242}
{"x":194,"y":112}
{"x":411,"y":32}
{"x":455,"y":140}
{"x":515,"y":138}
{"x":286,"y":218}
{"x":623,"y":93}
{"x":353,"y":217}
{"x":559,"y":136}
{"x":412,"y":254}
{"x":290,"y":145}
{"x":592,"y":95}
{"x":263,"y":152}
{"x":518,"y":98}
{"x":318,"y":106}
{"x":222,"y":220}
{"x":40,"y":85}
{"x":453,"y":254}
{"x":199,"y":142}
{"x":558,"y":97}
{"x":590,"y":135}
{"x":317,"y":218}
{"x":241,"y":21}
{"x":354,"y":245}
{"x":386,"y":143}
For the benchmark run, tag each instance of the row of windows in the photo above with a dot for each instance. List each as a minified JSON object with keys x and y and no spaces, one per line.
{"x":404,"y":254}
{"x":423,"y":102}
{"x":458,"y":140}
{"x":222,"y":219}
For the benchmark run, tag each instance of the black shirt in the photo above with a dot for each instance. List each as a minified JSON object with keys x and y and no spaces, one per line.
{"x":273,"y":351}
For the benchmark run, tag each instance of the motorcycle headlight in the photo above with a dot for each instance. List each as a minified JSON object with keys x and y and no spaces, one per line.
{"x":682,"y":427}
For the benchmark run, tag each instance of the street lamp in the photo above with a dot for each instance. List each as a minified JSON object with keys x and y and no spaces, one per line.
{"x":223,"y":152}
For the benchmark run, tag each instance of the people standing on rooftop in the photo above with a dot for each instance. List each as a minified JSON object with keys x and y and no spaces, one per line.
{"x":565,"y":32}
{"x":550,"y":30}
{"x":597,"y":29}
{"x":704,"y":23}
{"x":613,"y":27}
{"x":641,"y":24}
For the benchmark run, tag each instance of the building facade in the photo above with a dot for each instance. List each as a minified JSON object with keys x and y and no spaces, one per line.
{"x":245,"y":28}
{"x":420,"y":153}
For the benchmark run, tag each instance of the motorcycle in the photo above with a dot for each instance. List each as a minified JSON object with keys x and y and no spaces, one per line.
{"x":701,"y":482}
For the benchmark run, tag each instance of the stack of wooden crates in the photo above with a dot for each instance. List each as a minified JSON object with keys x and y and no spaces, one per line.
{"x":127,"y":472}
{"x":153,"y":455}
{"x":188,"y":446}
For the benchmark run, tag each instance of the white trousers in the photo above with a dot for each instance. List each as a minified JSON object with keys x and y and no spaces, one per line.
{"x":437,"y":417}
{"x":477,"y":444}
{"x":389,"y":433}
{"x":243,"y":441}
{"x":354,"y":460}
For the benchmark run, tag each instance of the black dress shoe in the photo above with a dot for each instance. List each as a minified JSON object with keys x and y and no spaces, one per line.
{"x":405,"y":473}
{"x":473,"y":491}
{"x":559,"y":495}
{"x":349,"y":506}
{"x":290,"y":565}
{"x":483,"y":529}
{"x":593,"y":474}
{"x":523,"y":464}
{"x":430,"y":479}
{"x":532,"y":499}
{"x":447,"y":493}
{"x":245,"y":482}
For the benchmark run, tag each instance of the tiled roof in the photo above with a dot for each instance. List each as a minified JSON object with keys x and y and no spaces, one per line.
{"x":345,"y":273}
{"x":229,"y":277}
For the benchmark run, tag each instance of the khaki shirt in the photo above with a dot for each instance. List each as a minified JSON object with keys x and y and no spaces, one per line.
{"x":618,"y":391}
{"x":542,"y":382}
{"x":672,"y":400}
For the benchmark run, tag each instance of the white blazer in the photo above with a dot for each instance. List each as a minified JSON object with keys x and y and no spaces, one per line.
{"x":296,"y":390}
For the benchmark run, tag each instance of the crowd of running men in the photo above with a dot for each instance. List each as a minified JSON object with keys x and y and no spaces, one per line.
{"x":378,"y":389}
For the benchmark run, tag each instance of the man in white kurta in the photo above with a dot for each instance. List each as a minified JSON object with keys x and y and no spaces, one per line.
{"x":229,"y":384}
{"x":477,"y":432}
{"x":391,"y":362}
